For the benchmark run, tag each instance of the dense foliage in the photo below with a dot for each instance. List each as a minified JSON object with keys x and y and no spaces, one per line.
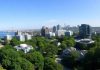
{"x":71,"y":60}
{"x":91,"y":60}
{"x":49,"y":64}
{"x":43,"y":56}
{"x":37,"y":59}
{"x":11,"y":59}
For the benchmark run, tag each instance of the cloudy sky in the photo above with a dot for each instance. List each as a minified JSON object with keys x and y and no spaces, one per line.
{"x":33,"y":14}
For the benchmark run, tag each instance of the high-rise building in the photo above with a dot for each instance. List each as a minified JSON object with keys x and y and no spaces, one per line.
{"x":69,"y":33}
{"x":85,"y":31}
{"x":18,"y":33}
{"x":60,"y":32}
{"x":8,"y":37}
{"x":28,"y":37}
{"x":44,"y":31}
{"x":54,"y":29}
{"x":58,"y":27}
{"x":51,"y":34}
{"x":21,"y":38}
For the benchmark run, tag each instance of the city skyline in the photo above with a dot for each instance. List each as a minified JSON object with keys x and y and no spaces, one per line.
{"x":33,"y":14}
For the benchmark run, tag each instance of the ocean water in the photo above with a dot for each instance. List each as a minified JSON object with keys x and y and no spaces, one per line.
{"x":4,"y":33}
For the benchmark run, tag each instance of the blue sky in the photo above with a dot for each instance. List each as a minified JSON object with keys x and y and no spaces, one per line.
{"x":33,"y":14}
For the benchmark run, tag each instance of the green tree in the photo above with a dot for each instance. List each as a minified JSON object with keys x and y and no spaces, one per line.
{"x":49,"y":64}
{"x":25,"y":64}
{"x":11,"y":60}
{"x":91,"y":60}
{"x":63,"y":45}
{"x":51,"y":50}
{"x":1,"y":68}
{"x":41,"y":46}
{"x":31,"y":42}
{"x":14,"y":42}
{"x":70,"y":41}
{"x":37,"y":59}
{"x":71,"y":59}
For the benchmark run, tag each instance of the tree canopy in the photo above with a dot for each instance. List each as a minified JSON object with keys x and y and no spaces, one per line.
{"x":49,"y":64}
{"x":11,"y":60}
{"x":37,"y":59}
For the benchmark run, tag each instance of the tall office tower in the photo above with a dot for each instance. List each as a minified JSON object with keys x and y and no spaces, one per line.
{"x":8,"y":37}
{"x":69,"y":33}
{"x":18,"y":33}
{"x":44,"y":31}
{"x":58,"y":27}
{"x":21,"y":38}
{"x":54,"y":29}
{"x":85,"y":31}
{"x":28,"y":37}
{"x":60,"y":32}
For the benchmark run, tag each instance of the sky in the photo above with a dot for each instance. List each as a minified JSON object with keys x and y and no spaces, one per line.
{"x":33,"y":14}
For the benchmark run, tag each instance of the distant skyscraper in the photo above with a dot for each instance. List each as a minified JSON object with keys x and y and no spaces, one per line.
{"x":58,"y":27}
{"x":8,"y":37}
{"x":69,"y":33}
{"x":18,"y":33}
{"x":44,"y":31}
{"x":60,"y":32}
{"x":84,"y":31}
{"x":28,"y":37}
{"x":21,"y":38}
{"x":54,"y":29}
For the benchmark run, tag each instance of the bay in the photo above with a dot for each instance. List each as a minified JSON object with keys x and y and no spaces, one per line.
{"x":4,"y":33}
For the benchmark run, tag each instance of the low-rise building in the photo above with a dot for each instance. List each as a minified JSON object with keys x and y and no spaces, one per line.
{"x":85,"y":41}
{"x":26,"y":48}
{"x":82,"y":53}
{"x":68,"y":51}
